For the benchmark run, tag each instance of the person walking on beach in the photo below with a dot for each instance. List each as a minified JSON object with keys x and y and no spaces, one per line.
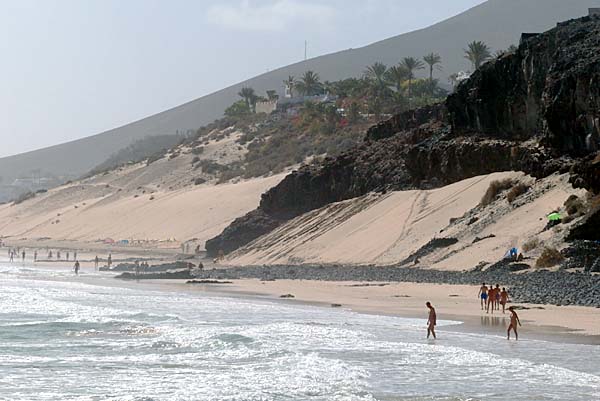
{"x":483,"y":294}
{"x":503,"y":298}
{"x":12,"y":255}
{"x":109,"y":261}
{"x":431,"y":321}
{"x":23,"y":256}
{"x":514,"y":320}
{"x":76,"y":268}
{"x":497,"y":292}
{"x":74,"y":255}
{"x":491,"y":299}
{"x":35,"y":256}
{"x":68,"y":257}
{"x":96,"y":261}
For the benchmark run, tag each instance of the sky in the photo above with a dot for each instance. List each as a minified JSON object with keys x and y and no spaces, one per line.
{"x":74,"y":68}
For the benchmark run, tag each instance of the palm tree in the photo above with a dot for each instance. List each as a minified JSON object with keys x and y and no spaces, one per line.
{"x":272,"y":95}
{"x":477,"y":53}
{"x":411,"y":65}
{"x":309,"y":84}
{"x":376,"y":75}
{"x":290,"y":83}
{"x":432,"y":60}
{"x":396,"y":76}
{"x":249,"y":96}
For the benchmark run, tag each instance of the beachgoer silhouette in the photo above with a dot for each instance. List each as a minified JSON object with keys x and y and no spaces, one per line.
{"x":76,"y":267}
{"x":514,"y":320}
{"x":431,"y":321}
{"x":96,"y":260}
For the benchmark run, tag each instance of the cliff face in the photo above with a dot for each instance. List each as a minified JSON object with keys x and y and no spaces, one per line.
{"x":537,"y":111}
{"x":549,"y":89}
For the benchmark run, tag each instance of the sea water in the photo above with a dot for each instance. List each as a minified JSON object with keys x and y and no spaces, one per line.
{"x":62,"y":339}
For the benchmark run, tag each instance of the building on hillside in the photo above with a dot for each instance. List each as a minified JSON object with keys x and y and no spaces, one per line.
{"x":267,"y":107}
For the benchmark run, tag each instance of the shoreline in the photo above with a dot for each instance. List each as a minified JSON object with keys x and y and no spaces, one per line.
{"x":454,"y":302}
{"x":567,"y":324}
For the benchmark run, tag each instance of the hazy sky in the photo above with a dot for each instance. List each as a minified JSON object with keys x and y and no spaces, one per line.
{"x":73,"y":68}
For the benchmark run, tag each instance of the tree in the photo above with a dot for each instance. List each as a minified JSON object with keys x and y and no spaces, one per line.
{"x":477,"y":53}
{"x":272,"y":95}
{"x":290,"y":83}
{"x":353,"y":112}
{"x":411,"y":65}
{"x":249,"y":97}
{"x":396,"y":76}
{"x":239,"y":108}
{"x":375,"y":107}
{"x":309,"y":84}
{"x":432,"y":60}
{"x":376,"y":76}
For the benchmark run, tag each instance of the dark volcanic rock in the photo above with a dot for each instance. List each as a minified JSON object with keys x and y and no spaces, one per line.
{"x":536,"y":110}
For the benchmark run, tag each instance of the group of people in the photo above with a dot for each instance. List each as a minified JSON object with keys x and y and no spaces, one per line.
{"x":13,"y":253}
{"x":491,"y":298}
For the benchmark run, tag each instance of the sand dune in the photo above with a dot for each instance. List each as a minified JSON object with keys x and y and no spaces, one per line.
{"x":387,"y":229}
{"x":152,"y":203}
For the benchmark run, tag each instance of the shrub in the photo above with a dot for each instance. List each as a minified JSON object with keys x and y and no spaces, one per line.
{"x":574,"y":205}
{"x":549,"y":257}
{"x":199,"y":180}
{"x":494,"y":189}
{"x":531,"y":244}
{"x":23,"y":197}
{"x":516,"y":191}
{"x":198,"y":150}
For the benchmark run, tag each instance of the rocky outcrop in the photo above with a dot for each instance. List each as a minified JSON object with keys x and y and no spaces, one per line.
{"x":536,"y":110}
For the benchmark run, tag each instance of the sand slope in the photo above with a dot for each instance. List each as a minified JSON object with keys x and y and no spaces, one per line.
{"x":153,"y":203}
{"x":386,"y":229}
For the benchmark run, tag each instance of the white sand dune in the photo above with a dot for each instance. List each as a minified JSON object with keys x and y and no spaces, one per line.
{"x":386,"y":229}
{"x":152,"y":203}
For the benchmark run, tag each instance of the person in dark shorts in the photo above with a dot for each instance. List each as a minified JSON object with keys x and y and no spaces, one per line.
{"x":483,"y":295}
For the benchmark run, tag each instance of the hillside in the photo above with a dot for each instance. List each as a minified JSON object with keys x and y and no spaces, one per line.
{"x":532,"y":110}
{"x":162,"y":202}
{"x":497,"y":22}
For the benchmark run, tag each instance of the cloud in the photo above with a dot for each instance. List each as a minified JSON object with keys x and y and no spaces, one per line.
{"x":274,"y":16}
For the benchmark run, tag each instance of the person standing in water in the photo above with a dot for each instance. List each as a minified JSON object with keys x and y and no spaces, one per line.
{"x":431,"y":321}
{"x":483,"y":294}
{"x":514,"y":320}
{"x":76,"y":268}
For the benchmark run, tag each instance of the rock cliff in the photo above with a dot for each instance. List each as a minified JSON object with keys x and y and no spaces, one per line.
{"x":536,"y":110}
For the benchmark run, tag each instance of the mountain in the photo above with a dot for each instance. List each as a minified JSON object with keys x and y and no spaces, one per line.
{"x":496,"y":22}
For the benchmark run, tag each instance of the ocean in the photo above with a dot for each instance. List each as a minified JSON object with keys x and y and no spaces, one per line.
{"x":63,"y":339}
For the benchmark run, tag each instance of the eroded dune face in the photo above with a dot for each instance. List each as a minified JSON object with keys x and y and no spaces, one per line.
{"x":408,"y":227}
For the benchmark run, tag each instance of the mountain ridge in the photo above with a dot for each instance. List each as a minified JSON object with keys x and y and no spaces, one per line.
{"x":497,"y":22}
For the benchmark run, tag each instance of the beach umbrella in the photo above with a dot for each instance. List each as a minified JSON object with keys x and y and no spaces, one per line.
{"x":554,"y":217}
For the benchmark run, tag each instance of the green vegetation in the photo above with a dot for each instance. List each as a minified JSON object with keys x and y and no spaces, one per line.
{"x":494,"y":190}
{"x":477,"y":53}
{"x":153,"y":147}
{"x":549,"y":257}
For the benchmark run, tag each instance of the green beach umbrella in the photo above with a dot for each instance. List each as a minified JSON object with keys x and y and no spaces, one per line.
{"x":554,"y":217}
